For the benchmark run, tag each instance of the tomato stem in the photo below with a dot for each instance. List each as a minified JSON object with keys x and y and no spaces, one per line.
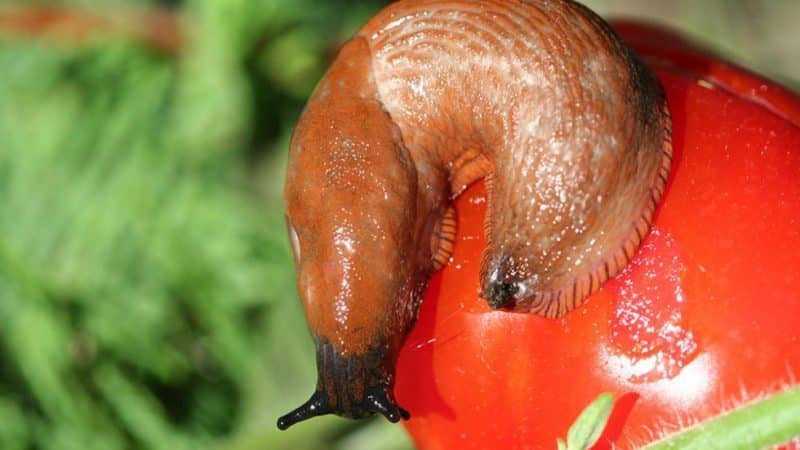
{"x":771,"y":421}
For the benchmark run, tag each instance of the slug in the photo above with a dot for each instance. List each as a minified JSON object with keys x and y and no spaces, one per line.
{"x":541,"y":98}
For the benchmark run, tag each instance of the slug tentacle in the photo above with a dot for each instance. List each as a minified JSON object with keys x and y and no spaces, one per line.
{"x":569,"y":128}
{"x":317,"y":405}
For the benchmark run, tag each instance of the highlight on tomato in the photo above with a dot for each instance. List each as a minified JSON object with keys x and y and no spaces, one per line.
{"x":704,"y":319}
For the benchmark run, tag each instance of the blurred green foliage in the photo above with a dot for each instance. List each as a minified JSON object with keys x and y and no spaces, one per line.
{"x":147,"y":297}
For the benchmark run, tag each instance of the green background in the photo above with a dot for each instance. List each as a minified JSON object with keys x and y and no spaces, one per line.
{"x":147,"y":298}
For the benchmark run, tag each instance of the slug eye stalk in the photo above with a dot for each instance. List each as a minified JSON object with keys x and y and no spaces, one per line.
{"x":317,"y":405}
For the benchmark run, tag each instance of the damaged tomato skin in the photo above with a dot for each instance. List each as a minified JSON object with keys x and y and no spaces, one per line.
{"x":719,"y":278}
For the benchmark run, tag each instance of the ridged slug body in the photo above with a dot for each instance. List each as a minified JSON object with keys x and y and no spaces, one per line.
{"x":569,"y":128}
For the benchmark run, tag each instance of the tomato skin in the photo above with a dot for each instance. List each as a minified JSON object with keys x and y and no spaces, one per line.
{"x":706,"y":316}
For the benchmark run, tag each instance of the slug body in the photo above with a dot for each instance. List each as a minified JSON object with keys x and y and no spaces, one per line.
{"x":541,"y":98}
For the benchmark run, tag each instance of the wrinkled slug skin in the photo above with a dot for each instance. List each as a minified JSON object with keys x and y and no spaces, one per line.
{"x":541,"y":98}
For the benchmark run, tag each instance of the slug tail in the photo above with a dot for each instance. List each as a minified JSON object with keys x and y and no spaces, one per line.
{"x":501,"y":294}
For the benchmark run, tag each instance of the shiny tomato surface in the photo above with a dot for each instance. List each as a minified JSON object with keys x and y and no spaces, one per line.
{"x":705,"y":317}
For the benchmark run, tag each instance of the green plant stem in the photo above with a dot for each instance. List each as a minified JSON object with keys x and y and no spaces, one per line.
{"x":772,"y":421}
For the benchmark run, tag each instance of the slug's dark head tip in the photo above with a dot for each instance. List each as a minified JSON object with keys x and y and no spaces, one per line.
{"x":354,"y":386}
{"x":317,"y":405}
{"x":500,"y":294}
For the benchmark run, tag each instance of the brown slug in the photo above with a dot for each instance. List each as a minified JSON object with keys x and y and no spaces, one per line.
{"x":569,"y":128}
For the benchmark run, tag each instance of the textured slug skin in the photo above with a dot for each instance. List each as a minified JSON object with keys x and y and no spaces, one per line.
{"x":570,"y":130}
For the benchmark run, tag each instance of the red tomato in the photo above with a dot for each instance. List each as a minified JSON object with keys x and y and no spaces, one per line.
{"x":705,"y":317}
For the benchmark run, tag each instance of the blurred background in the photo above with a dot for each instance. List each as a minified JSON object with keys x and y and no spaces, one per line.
{"x":147,"y":298}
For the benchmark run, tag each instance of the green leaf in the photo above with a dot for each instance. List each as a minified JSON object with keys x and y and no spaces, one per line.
{"x":590,"y":424}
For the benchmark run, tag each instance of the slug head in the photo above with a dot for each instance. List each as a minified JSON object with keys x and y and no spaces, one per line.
{"x":351,"y":197}
{"x":348,"y":387}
